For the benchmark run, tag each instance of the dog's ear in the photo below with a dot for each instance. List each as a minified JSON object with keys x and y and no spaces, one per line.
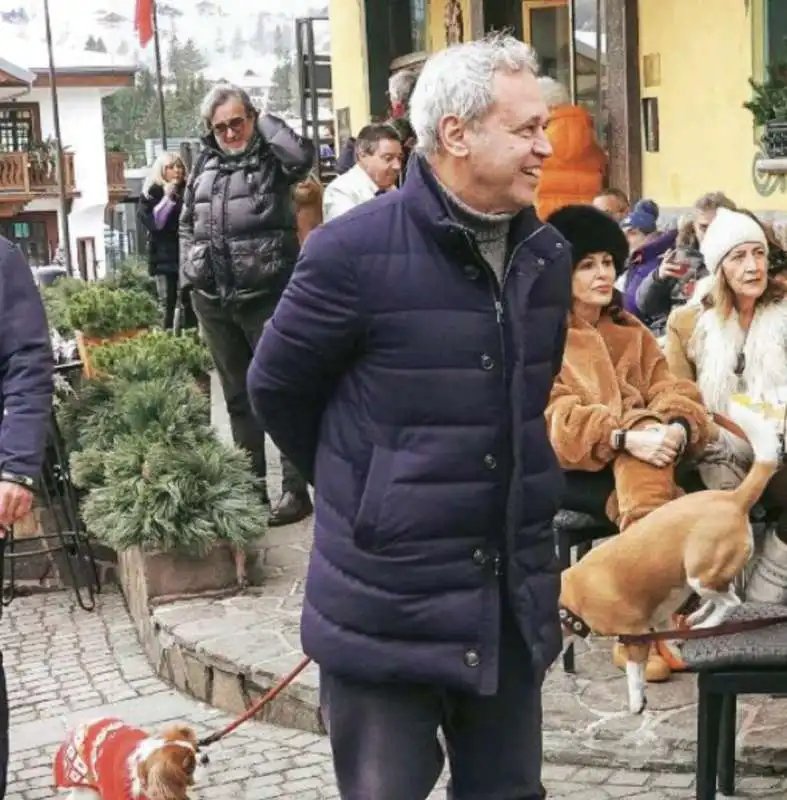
{"x":169,"y":772}
{"x":179,"y":733}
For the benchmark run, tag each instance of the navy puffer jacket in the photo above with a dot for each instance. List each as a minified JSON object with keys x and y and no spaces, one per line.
{"x":400,"y":380}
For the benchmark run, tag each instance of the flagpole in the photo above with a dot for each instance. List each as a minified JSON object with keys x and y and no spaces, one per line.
{"x":159,"y":76}
{"x":65,"y":233}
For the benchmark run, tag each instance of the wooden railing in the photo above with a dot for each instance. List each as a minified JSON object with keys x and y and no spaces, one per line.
{"x":14,"y":176}
{"x":21,"y":175}
{"x":116,"y":172}
{"x":43,"y":177}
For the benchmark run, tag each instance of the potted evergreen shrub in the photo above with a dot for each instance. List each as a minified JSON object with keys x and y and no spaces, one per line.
{"x":155,"y":352}
{"x":768,"y":106}
{"x":100,"y":313}
{"x":160,"y":487}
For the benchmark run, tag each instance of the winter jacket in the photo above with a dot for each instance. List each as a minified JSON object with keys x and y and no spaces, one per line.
{"x":347,"y":191}
{"x":26,"y":368}
{"x":163,"y":243}
{"x":411,"y":391}
{"x":574,"y":173}
{"x":238,"y":233}
{"x":615,"y":376}
{"x":642,"y":262}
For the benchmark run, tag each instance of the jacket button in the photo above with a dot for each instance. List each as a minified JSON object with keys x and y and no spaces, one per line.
{"x":541,"y":262}
{"x":472,"y":271}
{"x":479,"y":557}
{"x":472,"y":659}
{"x":559,"y":245}
{"x":487,"y":362}
{"x":490,"y":461}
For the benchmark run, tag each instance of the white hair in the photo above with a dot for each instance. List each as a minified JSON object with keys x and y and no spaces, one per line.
{"x":554,"y":92}
{"x":401,"y":85}
{"x":460,"y":81}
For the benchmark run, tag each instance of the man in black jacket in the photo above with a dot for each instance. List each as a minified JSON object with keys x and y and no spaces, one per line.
{"x":26,"y":385}
{"x":238,"y":247}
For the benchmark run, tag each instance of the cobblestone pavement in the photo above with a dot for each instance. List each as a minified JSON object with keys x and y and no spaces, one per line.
{"x":65,"y":665}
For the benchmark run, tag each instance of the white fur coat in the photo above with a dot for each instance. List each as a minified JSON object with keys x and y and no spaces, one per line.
{"x":716,"y":344}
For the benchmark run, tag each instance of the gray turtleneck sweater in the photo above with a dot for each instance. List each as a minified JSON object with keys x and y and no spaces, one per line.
{"x":491,"y":231}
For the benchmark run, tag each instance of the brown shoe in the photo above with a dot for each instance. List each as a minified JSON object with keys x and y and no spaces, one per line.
{"x":656,"y":670}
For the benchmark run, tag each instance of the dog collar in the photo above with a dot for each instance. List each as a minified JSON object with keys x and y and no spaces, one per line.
{"x":574,"y":623}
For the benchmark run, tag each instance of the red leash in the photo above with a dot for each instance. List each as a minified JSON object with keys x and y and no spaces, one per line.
{"x":258,"y":706}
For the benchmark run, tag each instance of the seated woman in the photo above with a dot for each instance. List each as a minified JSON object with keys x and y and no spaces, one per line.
{"x":735,"y":340}
{"x":618,"y":419}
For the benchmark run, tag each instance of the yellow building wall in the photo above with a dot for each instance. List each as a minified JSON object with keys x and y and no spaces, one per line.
{"x":349,"y":73}
{"x":707,"y":140}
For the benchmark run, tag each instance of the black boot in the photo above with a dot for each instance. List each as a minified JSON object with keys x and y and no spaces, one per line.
{"x":292,"y":508}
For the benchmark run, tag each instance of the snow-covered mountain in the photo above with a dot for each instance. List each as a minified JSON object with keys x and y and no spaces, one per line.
{"x":233,"y":35}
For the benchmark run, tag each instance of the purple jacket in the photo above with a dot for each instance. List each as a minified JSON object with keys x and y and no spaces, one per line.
{"x":412,"y":395}
{"x":641,"y":263}
{"x":26,"y":367}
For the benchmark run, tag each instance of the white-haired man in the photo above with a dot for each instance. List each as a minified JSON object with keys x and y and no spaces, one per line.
{"x":406,"y":371}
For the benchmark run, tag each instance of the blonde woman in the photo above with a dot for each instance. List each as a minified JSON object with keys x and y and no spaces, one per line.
{"x":159,"y":213}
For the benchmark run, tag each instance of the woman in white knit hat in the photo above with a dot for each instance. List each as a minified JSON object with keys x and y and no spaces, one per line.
{"x":735,"y":340}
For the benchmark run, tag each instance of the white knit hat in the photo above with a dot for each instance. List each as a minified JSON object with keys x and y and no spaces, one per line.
{"x":728,"y":230}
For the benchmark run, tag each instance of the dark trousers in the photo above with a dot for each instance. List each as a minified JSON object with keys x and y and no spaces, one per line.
{"x":231,"y":333}
{"x":4,"y":714}
{"x":167,"y":286}
{"x":384,"y":736}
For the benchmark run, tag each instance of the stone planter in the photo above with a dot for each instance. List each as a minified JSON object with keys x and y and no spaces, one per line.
{"x":151,"y":578}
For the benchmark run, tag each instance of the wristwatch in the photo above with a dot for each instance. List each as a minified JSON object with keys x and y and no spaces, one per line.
{"x":20,"y":480}
{"x":619,"y":441}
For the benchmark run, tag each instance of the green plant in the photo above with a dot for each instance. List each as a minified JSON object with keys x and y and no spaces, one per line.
{"x":169,"y":498}
{"x":133,"y":274}
{"x":769,"y":97}
{"x":153,"y":353}
{"x":57,"y":297}
{"x":101,"y":311}
{"x":158,"y":410}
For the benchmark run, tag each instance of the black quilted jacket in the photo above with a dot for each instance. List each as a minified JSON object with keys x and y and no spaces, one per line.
{"x":238,"y":236}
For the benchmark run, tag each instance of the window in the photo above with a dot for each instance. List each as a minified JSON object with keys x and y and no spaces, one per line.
{"x":16,"y":128}
{"x":419,"y":25}
{"x":31,"y":237}
{"x":577,"y":59}
{"x":775,"y":31}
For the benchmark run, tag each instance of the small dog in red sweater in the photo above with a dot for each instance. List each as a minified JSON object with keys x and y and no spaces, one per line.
{"x":110,"y":760}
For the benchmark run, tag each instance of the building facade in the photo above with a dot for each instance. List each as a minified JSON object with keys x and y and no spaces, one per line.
{"x":665,"y":80}
{"x":94,"y":177}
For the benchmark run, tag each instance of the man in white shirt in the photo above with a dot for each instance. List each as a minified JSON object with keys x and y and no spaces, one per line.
{"x":378,"y":150}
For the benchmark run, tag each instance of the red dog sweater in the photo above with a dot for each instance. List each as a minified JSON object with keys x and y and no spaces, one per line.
{"x":97,"y":756}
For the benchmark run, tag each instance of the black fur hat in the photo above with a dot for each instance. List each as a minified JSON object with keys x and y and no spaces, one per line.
{"x":589,"y":230}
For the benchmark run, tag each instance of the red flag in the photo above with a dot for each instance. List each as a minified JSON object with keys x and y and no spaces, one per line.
{"x":143,"y":21}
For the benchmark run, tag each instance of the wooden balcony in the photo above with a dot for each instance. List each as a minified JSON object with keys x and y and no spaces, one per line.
{"x":116,"y":176}
{"x":23,"y":180}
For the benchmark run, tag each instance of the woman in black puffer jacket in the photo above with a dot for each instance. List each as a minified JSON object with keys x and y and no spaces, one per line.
{"x":159,"y":213}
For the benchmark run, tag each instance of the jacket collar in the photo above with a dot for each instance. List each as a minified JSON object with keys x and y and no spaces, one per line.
{"x":429,"y":207}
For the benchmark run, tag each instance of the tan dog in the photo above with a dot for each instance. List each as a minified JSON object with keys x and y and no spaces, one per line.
{"x":110,"y":760}
{"x":634,"y":583}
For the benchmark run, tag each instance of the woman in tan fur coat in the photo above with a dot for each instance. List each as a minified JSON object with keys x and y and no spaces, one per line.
{"x":618,"y":419}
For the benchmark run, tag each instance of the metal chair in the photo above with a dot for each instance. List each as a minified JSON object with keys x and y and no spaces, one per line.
{"x":69,"y":537}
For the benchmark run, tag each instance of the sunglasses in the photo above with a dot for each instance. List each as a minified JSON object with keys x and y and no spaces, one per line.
{"x":235,"y":125}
